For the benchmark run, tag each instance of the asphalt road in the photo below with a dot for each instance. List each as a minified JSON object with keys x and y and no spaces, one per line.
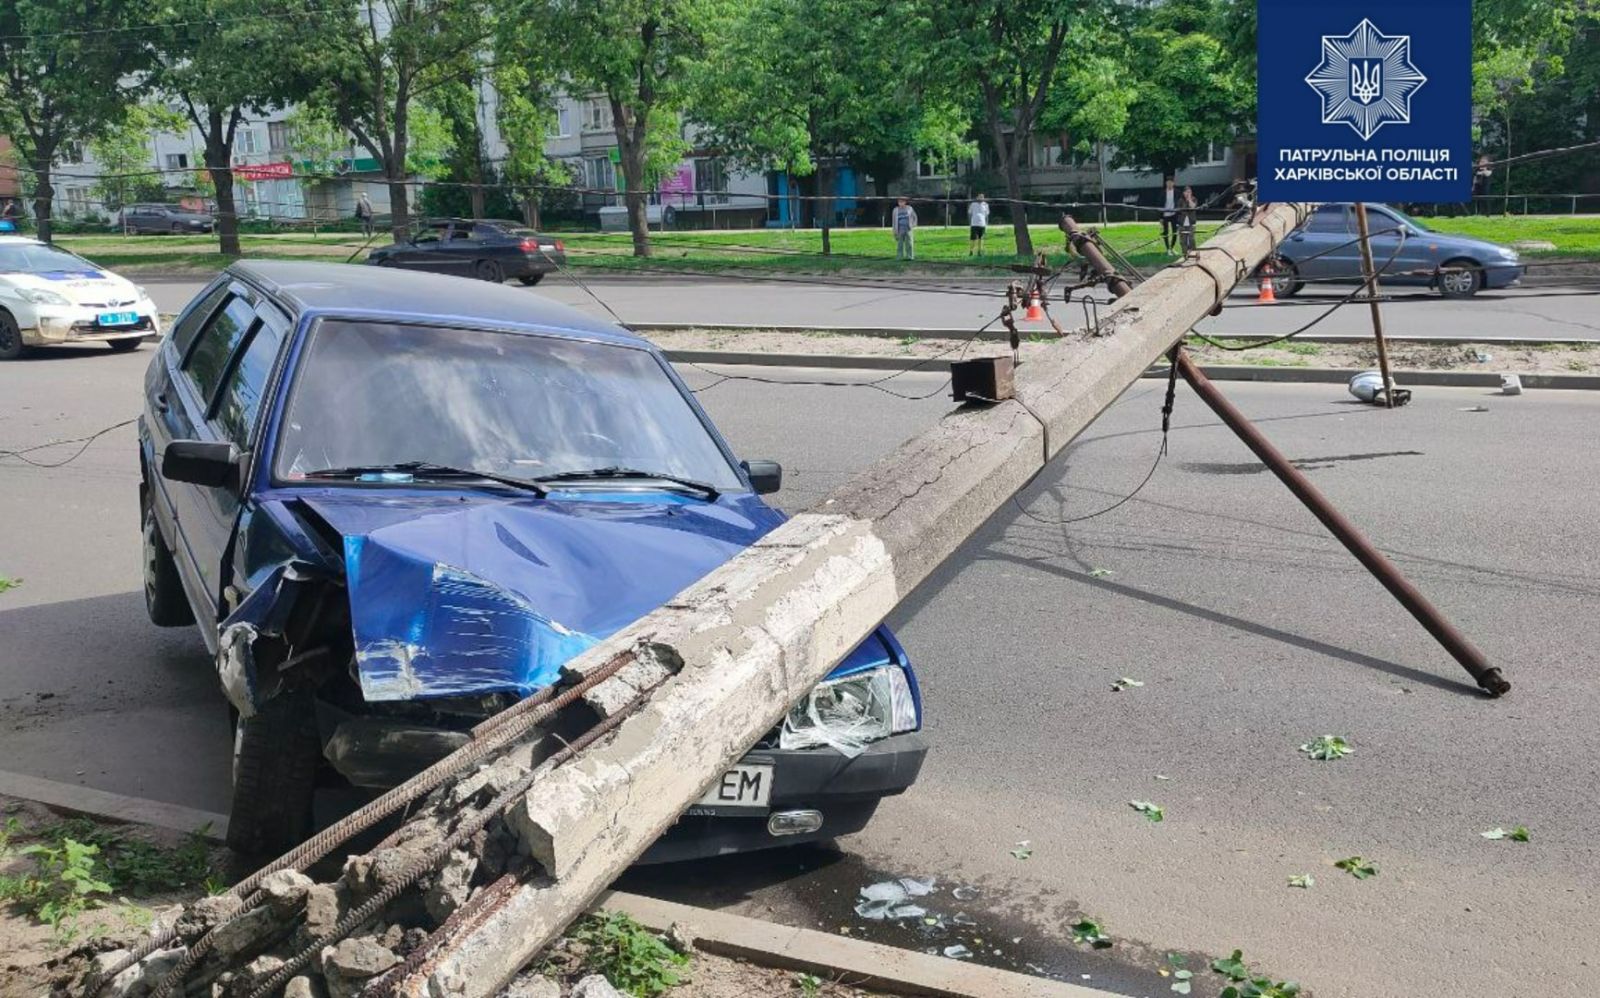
{"x":1251,"y":630}
{"x":1534,"y":314}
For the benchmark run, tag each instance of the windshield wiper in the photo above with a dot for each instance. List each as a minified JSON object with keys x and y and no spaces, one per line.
{"x":689,"y":484}
{"x":428,"y":469}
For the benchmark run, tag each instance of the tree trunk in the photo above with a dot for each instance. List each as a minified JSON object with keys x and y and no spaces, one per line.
{"x":1008,"y":152}
{"x":530,"y":211}
{"x":43,"y":193}
{"x":219,"y":164}
{"x":631,"y":139}
{"x":1100,"y":162}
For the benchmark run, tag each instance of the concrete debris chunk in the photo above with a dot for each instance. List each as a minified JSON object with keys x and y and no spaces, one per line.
{"x":532,"y":985}
{"x":595,"y":986}
{"x":303,"y":986}
{"x":348,"y":964}
{"x":286,"y":888}
{"x":202,"y":916}
{"x":253,"y":929}
{"x":681,"y":937}
{"x":451,"y":885}
{"x":323,"y":910}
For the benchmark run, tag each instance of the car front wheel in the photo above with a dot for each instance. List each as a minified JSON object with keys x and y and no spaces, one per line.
{"x":123,"y":346}
{"x":1460,"y":279}
{"x":276,"y":754}
{"x":10,"y":338}
{"x":531,"y":279}
{"x":164,"y":600}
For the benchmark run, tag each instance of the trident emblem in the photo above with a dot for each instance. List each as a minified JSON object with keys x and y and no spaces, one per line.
{"x":1366,"y":79}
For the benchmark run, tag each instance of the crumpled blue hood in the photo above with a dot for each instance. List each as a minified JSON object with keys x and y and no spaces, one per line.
{"x":454,"y":593}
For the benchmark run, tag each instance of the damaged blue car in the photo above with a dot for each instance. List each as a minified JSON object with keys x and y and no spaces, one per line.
{"x":396,"y":503}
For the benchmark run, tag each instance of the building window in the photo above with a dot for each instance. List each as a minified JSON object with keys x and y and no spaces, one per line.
{"x":278,"y":136}
{"x":72,"y":152}
{"x":931,"y":167}
{"x":77,"y":201}
{"x":1214,"y":154}
{"x":596,"y":114}
{"x":177,"y":161}
{"x":711,"y":180}
{"x":599,"y":173}
{"x":1047,"y":153}
{"x":561,"y":126}
{"x":244,"y":141}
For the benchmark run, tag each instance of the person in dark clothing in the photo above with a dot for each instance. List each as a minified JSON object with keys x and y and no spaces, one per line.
{"x":364,"y":214}
{"x":1169,"y":216}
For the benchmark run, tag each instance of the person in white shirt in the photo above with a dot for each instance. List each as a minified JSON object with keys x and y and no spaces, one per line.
{"x":1169,"y":217}
{"x":978,"y":220}
{"x":904,"y":222}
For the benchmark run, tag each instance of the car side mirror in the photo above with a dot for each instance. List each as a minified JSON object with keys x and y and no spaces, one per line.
{"x":201,"y":462}
{"x":766,"y":477}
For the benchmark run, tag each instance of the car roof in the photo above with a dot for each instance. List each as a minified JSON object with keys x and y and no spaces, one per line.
{"x":362,"y":289}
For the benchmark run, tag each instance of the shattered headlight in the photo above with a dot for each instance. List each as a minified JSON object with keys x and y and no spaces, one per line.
{"x":42,"y":296}
{"x":850,"y":713}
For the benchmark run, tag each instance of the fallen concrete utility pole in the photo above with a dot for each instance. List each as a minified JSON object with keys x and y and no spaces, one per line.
{"x":754,"y":636}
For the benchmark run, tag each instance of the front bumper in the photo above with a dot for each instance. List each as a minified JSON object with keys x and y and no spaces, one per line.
{"x":377,"y":753}
{"x":1504,"y":275}
{"x":54,"y":324}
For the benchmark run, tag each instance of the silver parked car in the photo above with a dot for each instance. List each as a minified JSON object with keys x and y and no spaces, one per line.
{"x":1325,"y":250}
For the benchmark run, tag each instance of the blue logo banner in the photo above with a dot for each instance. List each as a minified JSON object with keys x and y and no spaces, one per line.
{"x":1364,"y":101}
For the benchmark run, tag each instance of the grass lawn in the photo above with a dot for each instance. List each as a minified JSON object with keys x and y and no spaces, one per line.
{"x":940,"y":250}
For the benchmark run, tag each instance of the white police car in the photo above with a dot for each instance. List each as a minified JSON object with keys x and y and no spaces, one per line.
{"x":50,"y":296}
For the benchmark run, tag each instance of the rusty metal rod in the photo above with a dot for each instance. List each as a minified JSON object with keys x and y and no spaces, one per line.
{"x":1487,"y":677}
{"x":1084,"y":244}
{"x":1370,"y":272}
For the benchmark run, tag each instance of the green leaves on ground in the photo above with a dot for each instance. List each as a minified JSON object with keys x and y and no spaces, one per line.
{"x":1150,"y":810}
{"x":1357,"y":867}
{"x":1023,"y":850}
{"x":1089,"y":931}
{"x":1182,"y":981}
{"x":1304,"y":880}
{"x":1125,"y":684}
{"x":1517,"y":834}
{"x":61,"y":887}
{"x":630,"y":956}
{"x":1232,"y":966}
{"x":1327,"y":747}
{"x":1261,"y":987}
{"x":6,"y":583}
{"x":1100,"y":573}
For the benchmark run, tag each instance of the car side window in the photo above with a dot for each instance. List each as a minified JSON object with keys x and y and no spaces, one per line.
{"x":189,"y":322}
{"x":220,"y":337}
{"x":1328,"y":218}
{"x":239,"y":402}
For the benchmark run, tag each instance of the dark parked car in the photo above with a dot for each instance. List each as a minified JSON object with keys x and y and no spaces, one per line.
{"x":490,"y":251}
{"x":1325,"y":250}
{"x":397,"y":503}
{"x":144,"y":218}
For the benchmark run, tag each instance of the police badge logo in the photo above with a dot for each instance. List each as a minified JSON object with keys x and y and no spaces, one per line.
{"x":1366,"y":79}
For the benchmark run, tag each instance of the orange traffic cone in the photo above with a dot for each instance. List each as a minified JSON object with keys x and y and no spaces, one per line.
{"x":1266,"y":297}
{"x":1035,"y":311}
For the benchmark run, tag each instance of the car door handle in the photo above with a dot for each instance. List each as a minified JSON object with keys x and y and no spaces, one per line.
{"x":161,"y":402}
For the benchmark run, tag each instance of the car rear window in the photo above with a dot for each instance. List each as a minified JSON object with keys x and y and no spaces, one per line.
{"x":376,"y":394}
{"x":218,"y":340}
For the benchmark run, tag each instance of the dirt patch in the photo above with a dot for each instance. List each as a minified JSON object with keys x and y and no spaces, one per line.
{"x":1532,"y":358}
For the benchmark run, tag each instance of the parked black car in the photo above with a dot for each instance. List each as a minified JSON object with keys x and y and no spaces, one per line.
{"x":142,"y":218}
{"x":488,"y":250}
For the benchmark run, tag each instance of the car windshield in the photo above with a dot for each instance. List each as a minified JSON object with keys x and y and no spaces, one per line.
{"x":37,"y":258}
{"x":376,"y":395}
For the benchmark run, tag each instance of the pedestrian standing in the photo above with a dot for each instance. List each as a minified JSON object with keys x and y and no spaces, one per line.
{"x":978,"y":220}
{"x":364,"y":214}
{"x":1169,"y":216}
{"x":904,"y":223}
{"x":1187,"y":207}
{"x":1481,"y":177}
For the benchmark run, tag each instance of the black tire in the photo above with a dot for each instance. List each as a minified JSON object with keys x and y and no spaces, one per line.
{"x":177,"y":229}
{"x":10,"y":338}
{"x":276,"y":753}
{"x":1464,"y":281}
{"x":529,"y":280}
{"x":123,"y":346}
{"x":164,"y":599}
{"x":1287,"y":282}
{"x":489,"y":270}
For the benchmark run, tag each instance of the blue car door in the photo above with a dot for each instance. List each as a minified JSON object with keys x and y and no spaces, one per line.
{"x":205,"y":515}
{"x":1414,"y":261}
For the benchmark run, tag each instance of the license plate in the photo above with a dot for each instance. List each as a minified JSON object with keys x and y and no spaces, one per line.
{"x":117,"y":318}
{"x":742,"y":786}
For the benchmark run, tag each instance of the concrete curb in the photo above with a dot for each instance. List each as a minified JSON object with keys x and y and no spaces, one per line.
{"x":856,"y":961}
{"x":997,"y":334}
{"x":1220,"y":372}
{"x":112,"y":806}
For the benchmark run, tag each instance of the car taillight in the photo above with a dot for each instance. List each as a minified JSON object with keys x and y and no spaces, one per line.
{"x":530,"y":246}
{"x":561,"y":247}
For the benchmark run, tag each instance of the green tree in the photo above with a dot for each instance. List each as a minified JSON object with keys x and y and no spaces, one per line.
{"x":395,"y":52}
{"x":59,"y":83}
{"x":806,"y":84}
{"x":1011,"y":49}
{"x":1188,"y":89}
{"x":122,"y":152}
{"x":1519,"y":49}
{"x":1090,"y":102}
{"x":639,"y":56}
{"x":528,"y":90}
{"x":224,"y":61}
